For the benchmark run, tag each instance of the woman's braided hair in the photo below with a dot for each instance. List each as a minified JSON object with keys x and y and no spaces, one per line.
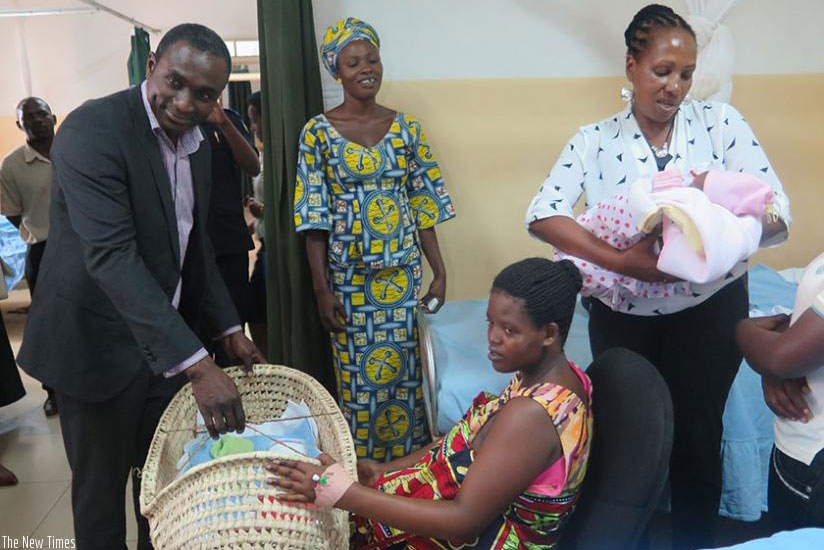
{"x":548,"y":289}
{"x":648,"y":20}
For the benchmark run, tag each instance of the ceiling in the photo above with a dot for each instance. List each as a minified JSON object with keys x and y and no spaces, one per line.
{"x":67,"y":59}
{"x":232,"y":19}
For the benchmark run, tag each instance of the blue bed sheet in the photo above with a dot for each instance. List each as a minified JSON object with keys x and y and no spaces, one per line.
{"x":463,"y":371}
{"x":801,"y":539}
{"x":13,"y":251}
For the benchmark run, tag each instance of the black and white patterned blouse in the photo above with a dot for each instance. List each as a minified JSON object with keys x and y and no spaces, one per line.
{"x":603,"y":159}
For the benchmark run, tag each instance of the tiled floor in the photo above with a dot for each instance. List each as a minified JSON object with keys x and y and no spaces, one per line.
{"x":31,"y":446}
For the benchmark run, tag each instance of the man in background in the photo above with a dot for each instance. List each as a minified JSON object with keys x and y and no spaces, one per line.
{"x":25,"y":192}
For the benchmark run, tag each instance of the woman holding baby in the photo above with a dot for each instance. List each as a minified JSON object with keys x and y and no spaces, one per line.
{"x":690,"y":338}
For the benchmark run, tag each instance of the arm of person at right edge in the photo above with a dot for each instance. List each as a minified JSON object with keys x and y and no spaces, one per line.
{"x":550,"y":219}
{"x":89,"y":170}
{"x":783,"y":357}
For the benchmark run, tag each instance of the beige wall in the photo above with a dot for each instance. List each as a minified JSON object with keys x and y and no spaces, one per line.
{"x":10,"y":136}
{"x":496,"y":140}
{"x":787,"y":115}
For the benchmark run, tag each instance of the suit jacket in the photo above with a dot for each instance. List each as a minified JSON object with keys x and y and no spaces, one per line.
{"x":103,"y":307}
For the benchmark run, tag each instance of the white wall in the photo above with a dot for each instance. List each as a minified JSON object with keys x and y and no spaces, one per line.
{"x":438,"y":39}
{"x":73,"y":58}
{"x":76,"y":57}
{"x":70,"y":59}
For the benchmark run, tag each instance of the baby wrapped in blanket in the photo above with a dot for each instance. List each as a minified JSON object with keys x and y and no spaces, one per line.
{"x":704,"y":232}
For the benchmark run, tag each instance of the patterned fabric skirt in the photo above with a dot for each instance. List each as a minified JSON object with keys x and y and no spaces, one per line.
{"x":533,"y":521}
{"x":377,"y":359}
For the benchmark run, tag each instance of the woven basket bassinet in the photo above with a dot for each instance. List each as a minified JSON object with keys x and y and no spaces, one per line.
{"x":225,"y":502}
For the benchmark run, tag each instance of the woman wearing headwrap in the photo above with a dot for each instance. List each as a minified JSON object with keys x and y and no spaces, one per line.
{"x":368,"y":195}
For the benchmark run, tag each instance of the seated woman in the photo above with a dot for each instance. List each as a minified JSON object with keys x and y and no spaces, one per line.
{"x":510,"y":472}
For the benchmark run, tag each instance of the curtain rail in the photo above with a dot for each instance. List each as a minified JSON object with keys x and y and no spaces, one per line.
{"x":120,"y":15}
{"x":94,"y":7}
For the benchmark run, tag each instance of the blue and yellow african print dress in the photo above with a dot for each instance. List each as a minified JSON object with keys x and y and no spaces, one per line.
{"x":372,"y":201}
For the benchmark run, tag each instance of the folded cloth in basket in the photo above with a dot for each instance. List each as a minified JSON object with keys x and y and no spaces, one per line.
{"x":294,"y":433}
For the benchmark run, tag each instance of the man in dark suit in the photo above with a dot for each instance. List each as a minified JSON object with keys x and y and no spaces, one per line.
{"x":128,"y":273}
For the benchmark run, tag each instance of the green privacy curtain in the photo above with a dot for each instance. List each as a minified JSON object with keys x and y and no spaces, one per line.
{"x":291,"y":94}
{"x":136,"y":64}
{"x":239,"y":92}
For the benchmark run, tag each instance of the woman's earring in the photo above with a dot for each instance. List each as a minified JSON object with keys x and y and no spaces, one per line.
{"x":626,"y":93}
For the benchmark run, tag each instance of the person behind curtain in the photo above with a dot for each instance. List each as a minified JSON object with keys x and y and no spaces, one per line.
{"x":368,"y":194}
{"x":796,"y":486}
{"x":257,"y":283}
{"x":507,"y":475}
{"x":233,"y":154}
{"x":689,"y":338}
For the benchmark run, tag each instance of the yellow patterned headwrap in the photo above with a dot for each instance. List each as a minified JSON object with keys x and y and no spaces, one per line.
{"x":339,"y":35}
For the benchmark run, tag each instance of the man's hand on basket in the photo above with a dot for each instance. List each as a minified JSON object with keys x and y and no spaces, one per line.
{"x":240,"y":348}
{"x":217,"y":398}
{"x":296,"y":477}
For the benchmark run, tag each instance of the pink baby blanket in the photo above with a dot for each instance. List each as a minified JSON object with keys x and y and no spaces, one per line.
{"x":705,"y":233}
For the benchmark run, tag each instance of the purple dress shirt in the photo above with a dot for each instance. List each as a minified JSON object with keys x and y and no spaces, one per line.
{"x":178,"y":168}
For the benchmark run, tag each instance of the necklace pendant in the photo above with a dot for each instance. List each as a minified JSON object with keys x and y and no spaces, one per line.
{"x":660,"y":153}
